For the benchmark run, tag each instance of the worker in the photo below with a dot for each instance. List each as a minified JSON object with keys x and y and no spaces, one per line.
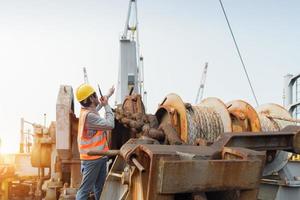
{"x":92,"y":135}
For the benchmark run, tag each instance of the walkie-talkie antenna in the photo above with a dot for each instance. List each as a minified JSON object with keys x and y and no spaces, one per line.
{"x":100,"y":90}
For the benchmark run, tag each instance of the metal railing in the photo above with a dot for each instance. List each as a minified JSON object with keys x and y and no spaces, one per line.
{"x":297,"y":99}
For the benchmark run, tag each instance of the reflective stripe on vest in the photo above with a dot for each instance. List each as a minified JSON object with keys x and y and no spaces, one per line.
{"x":97,"y":142}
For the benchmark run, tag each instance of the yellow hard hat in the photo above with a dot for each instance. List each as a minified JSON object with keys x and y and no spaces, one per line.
{"x":84,"y":91}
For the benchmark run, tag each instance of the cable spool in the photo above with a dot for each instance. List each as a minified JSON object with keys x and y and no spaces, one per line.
{"x":267,"y":124}
{"x":206,"y":120}
{"x":172,"y":110}
{"x":278,"y":159}
{"x":266,"y":113}
{"x":244,"y":117}
{"x":204,"y":123}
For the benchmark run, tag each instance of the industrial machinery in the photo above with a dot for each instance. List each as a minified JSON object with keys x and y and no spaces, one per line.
{"x":7,"y":172}
{"x":65,"y":163}
{"x":287,"y":186}
{"x":230,"y":168}
{"x":53,"y":155}
{"x":211,"y":150}
{"x":166,"y":161}
{"x":22,"y":174}
{"x":207,"y":151}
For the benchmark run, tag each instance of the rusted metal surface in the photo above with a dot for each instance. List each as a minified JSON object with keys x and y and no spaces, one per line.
{"x":211,"y":175}
{"x":132,"y":122}
{"x":149,"y":169}
{"x":65,"y":165}
{"x":233,"y":163}
{"x":41,"y":150}
{"x":276,"y":160}
{"x":104,"y":153}
{"x":243,"y":116}
{"x":174,"y":106}
{"x":265,"y":141}
{"x":171,"y":134}
{"x":206,"y":120}
{"x":138,"y":165}
{"x":133,"y":104}
{"x":155,"y":133}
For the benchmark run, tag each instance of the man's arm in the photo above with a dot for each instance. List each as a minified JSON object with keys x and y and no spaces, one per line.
{"x":98,"y":108}
{"x":95,"y":122}
{"x":109,"y":94}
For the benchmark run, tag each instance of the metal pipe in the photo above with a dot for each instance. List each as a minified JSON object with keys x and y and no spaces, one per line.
{"x":288,"y":90}
{"x":22,"y":136}
{"x":45,"y":119}
{"x":104,"y":153}
{"x":116,"y":175}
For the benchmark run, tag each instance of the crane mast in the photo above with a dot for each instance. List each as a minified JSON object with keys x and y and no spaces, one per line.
{"x":131,"y":73}
{"x":202,"y":84}
{"x":85,"y":76}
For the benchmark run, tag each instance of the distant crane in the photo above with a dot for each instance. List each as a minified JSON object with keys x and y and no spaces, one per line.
{"x":86,"y":80}
{"x":202,"y":84}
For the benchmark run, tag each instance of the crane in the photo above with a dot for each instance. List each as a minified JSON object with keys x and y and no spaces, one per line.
{"x":86,"y":80}
{"x":131,"y":72}
{"x":202,"y":84}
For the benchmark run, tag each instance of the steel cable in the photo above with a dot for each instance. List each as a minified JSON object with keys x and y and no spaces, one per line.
{"x":239,"y":53}
{"x":204,"y":123}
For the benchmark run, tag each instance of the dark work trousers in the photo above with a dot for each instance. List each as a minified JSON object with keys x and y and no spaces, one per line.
{"x":93,"y":178}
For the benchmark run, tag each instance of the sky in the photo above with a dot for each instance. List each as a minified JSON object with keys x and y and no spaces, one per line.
{"x":44,"y":44}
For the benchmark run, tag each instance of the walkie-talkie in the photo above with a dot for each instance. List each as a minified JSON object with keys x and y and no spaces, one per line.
{"x":100,"y":91}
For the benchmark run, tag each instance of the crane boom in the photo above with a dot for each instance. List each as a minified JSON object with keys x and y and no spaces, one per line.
{"x":86,"y":80}
{"x":202,"y":84}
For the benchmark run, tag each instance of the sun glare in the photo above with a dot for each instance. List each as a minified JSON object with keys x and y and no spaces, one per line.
{"x":9,"y":145}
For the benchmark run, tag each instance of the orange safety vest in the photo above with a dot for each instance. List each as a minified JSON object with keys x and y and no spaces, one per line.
{"x":86,"y":144}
